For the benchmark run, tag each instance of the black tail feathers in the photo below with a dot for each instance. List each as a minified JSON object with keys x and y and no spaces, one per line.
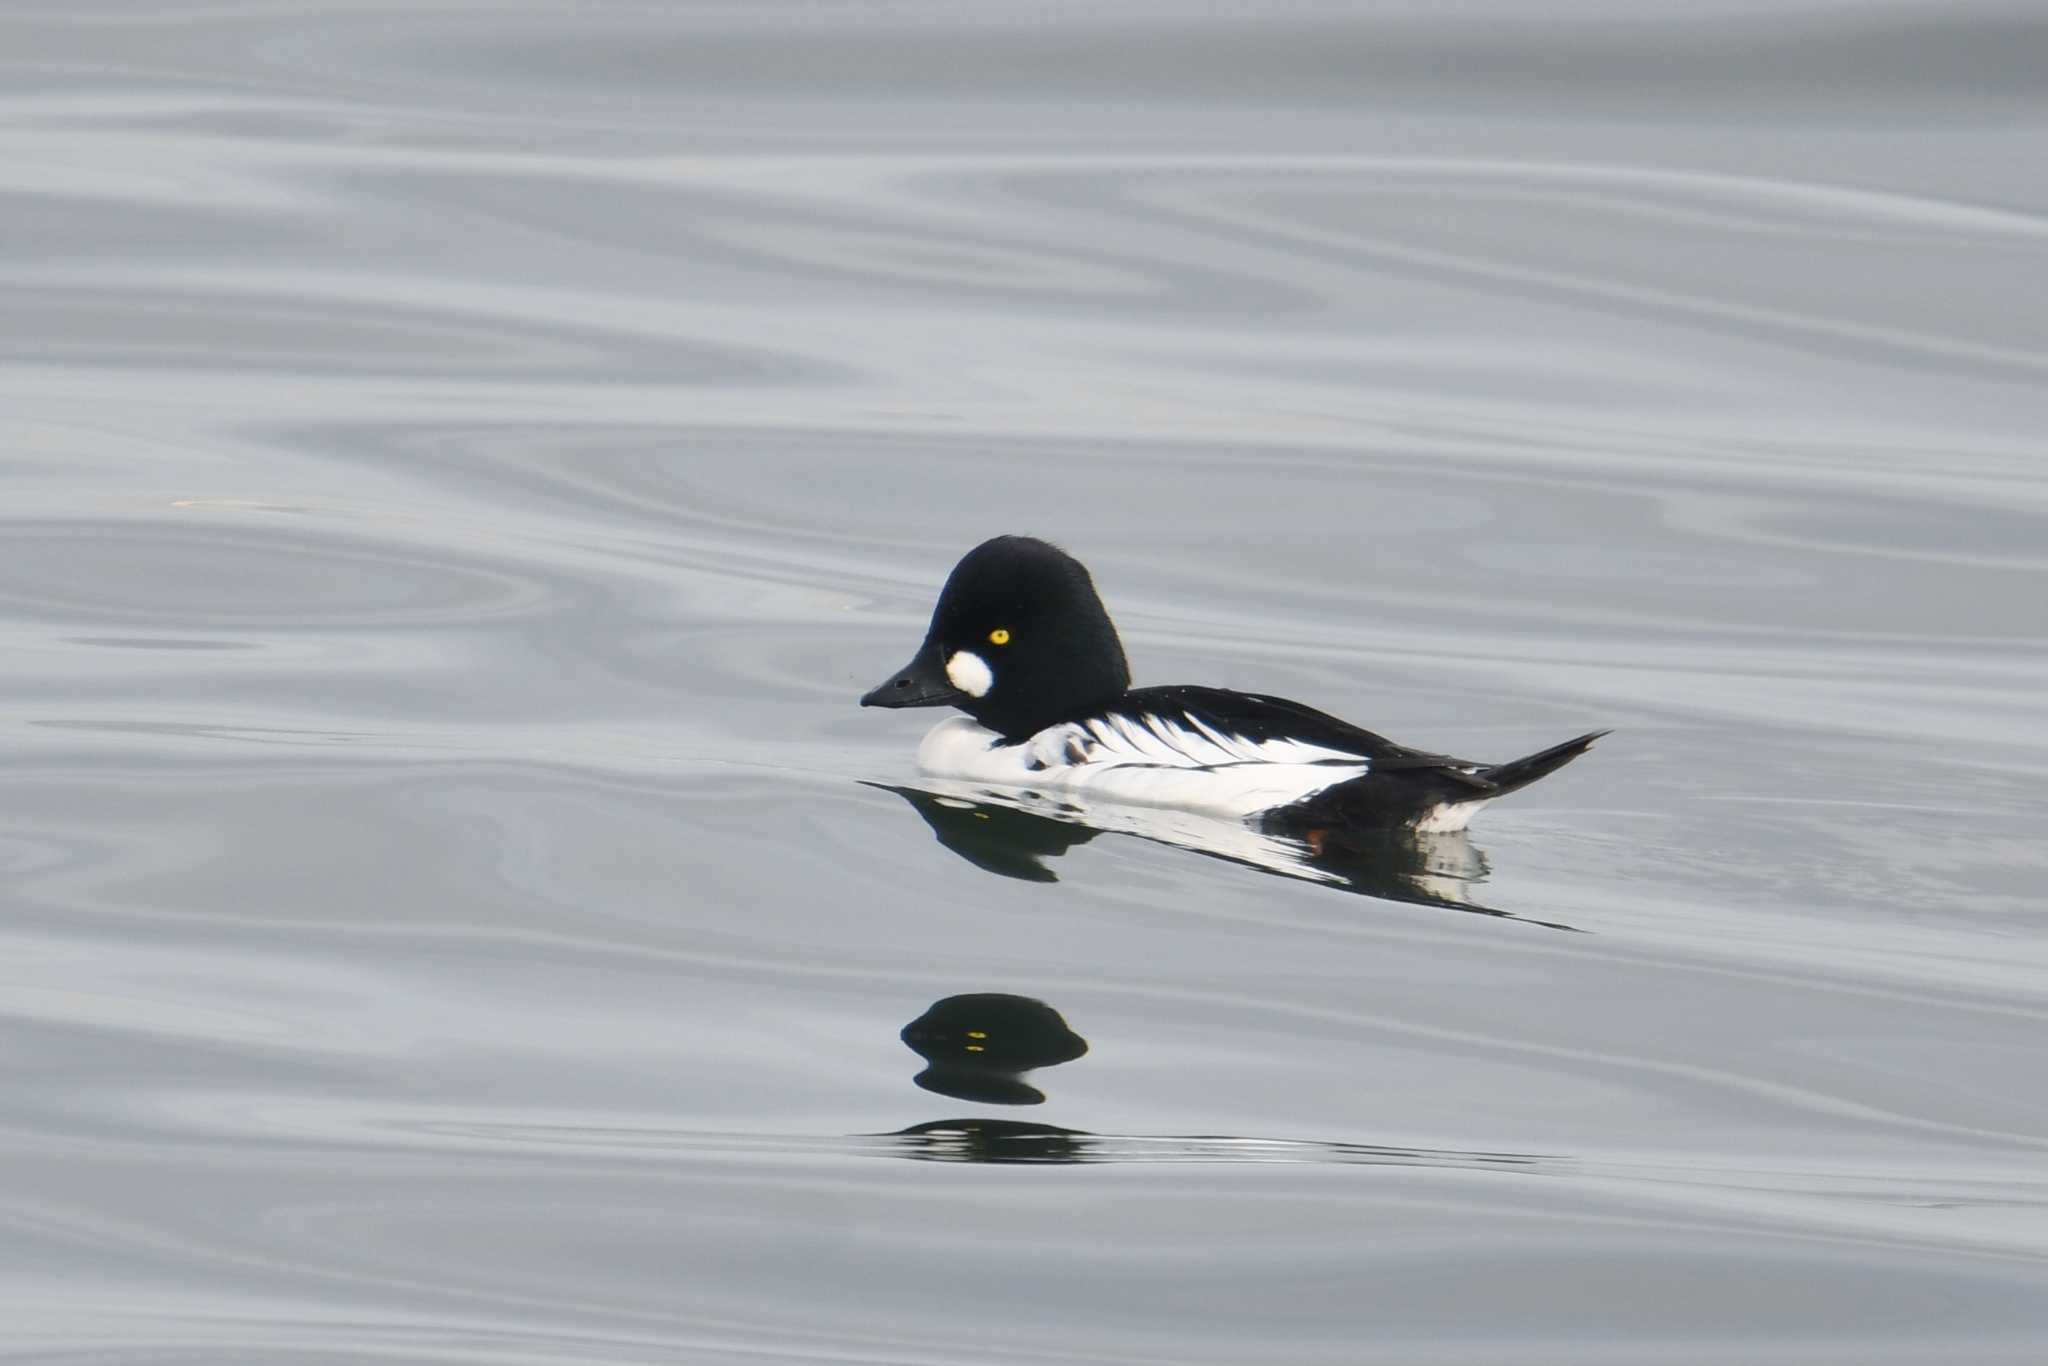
{"x":1518,"y":773}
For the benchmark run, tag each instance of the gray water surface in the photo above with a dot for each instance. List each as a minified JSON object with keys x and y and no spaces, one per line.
{"x":463,"y":462}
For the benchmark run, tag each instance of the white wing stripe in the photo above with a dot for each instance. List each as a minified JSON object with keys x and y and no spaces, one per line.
{"x":1150,"y":761}
{"x":1193,"y":742}
{"x":1216,"y":737}
{"x":1190,"y":746}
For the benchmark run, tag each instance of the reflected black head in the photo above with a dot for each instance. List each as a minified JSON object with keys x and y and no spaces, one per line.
{"x":980,"y":1045}
{"x":1019,"y":640}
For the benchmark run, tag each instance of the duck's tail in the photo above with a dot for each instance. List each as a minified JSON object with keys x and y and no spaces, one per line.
{"x":1519,"y":773}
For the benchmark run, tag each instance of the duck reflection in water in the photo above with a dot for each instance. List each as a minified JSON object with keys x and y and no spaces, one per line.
{"x":979,"y":1046}
{"x":1013,"y":834}
{"x":993,"y":1140}
{"x":1013,"y":1140}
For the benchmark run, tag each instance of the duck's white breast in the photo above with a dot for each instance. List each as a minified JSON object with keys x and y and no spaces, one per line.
{"x":1141,"y":760}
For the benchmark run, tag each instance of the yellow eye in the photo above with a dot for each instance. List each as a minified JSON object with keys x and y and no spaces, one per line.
{"x":999,"y":637}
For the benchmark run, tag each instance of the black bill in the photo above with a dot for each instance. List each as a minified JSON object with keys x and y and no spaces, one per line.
{"x":920,"y":683}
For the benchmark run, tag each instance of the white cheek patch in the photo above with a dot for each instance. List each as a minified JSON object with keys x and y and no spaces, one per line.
{"x":970,"y":673}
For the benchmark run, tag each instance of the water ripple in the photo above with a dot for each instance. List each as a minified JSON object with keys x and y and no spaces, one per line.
{"x":461,"y":470}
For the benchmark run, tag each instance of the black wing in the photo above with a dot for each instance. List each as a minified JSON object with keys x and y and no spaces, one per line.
{"x":1259,"y":718}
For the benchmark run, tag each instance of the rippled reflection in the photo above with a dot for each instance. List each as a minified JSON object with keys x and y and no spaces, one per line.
{"x":992,"y":1140}
{"x":979,"y":1046}
{"x":1013,"y":834}
{"x":1011,"y":1140}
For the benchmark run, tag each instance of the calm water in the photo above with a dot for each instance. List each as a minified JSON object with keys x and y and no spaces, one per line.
{"x":462,"y":463}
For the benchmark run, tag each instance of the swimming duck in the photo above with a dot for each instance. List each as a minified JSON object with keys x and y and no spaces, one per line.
{"x":1021,"y":643}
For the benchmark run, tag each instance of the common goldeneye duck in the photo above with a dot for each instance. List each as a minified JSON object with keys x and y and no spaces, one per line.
{"x":1021,"y":642}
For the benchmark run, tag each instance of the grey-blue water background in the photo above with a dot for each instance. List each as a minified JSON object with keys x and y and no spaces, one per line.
{"x":462,"y":462}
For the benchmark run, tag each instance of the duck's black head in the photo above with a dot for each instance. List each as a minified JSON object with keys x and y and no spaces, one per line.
{"x":1018,"y":641}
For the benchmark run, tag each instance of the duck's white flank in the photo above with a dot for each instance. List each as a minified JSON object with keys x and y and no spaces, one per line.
{"x":1145,"y":761}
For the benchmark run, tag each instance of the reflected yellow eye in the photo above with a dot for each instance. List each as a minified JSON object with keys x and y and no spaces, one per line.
{"x":999,"y":637}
